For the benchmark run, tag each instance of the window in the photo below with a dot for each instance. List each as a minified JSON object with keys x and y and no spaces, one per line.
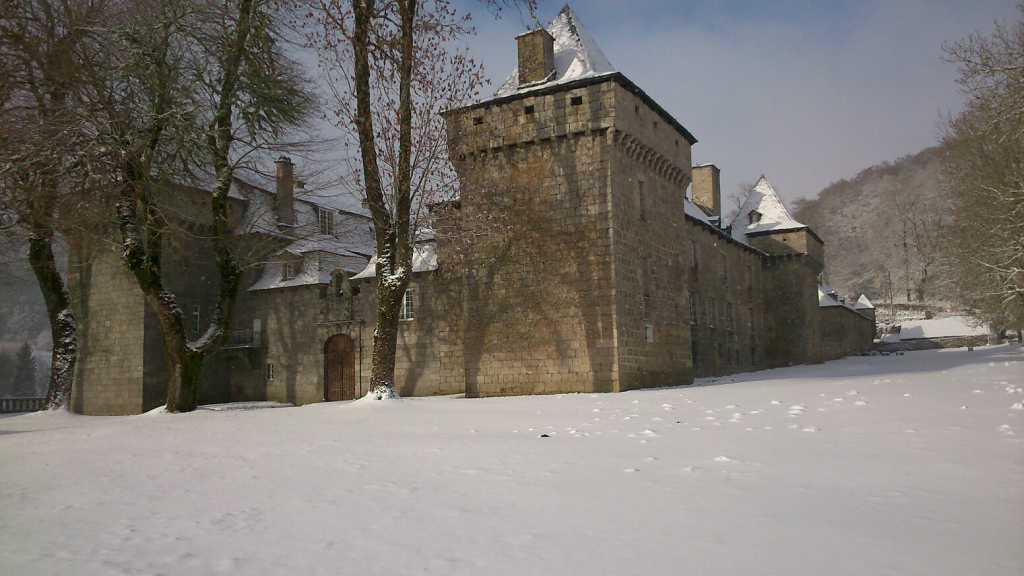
{"x":693,"y":254}
{"x":478,"y":120}
{"x":408,"y":311}
{"x":641,"y":199}
{"x":755,"y":217}
{"x":650,"y":333}
{"x":289,"y":270}
{"x":270,"y":371}
{"x":195,"y":319}
{"x":325,"y":219}
{"x":528,"y":109}
{"x":693,"y":354}
{"x":753,"y":356}
{"x":725,"y":272}
{"x":576,"y":100}
{"x":693,"y":309}
{"x":750,"y":312}
{"x":711,"y":312}
{"x":750,"y":276}
{"x":730,"y":324}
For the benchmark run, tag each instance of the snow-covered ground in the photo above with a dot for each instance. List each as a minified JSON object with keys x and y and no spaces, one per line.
{"x":874,"y":465}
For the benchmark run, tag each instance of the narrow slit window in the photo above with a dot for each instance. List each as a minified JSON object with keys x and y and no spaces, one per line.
{"x":576,"y":100}
{"x":196,"y":317}
{"x":528,"y":109}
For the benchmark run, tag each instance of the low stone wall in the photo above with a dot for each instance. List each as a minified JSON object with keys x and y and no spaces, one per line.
{"x":931,"y":343}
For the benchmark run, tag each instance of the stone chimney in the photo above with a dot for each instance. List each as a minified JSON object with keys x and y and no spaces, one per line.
{"x":285,"y":191}
{"x":536,"y":57}
{"x":707,"y":188}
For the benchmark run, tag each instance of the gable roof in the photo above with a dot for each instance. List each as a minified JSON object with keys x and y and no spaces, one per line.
{"x":576,"y":56}
{"x":863,"y":303}
{"x":773,"y":214}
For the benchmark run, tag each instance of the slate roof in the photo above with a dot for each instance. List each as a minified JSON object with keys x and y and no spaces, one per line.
{"x":577,"y":56}
{"x":773,"y":214}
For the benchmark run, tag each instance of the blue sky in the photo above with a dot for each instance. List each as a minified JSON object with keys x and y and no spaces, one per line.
{"x":803,"y":92}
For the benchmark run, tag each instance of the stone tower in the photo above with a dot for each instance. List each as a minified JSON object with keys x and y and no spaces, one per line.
{"x":572,"y":193}
{"x":795,"y":260}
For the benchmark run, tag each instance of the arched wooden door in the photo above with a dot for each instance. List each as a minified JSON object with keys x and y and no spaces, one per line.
{"x":339,"y":368}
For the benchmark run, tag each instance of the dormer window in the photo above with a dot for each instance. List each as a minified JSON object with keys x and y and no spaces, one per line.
{"x":289,"y":270}
{"x":755,"y":217}
{"x":325,"y":220}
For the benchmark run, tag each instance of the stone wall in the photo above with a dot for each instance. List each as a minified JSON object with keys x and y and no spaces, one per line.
{"x":790,"y":294}
{"x":843,"y":332}
{"x":110,"y":313}
{"x":719,"y":349}
{"x":428,"y":354}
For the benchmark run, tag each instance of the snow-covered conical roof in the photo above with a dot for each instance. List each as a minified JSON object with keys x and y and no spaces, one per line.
{"x":863,"y":303}
{"x":576,"y":55}
{"x":771,"y":213}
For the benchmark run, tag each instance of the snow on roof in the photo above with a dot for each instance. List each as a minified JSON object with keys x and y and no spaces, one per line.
{"x":576,"y":56}
{"x":315,"y":268}
{"x":863,"y":303}
{"x":424,"y":259}
{"x":773,"y":214}
{"x":827,"y":297}
{"x":696,"y":211}
{"x":941,"y":327}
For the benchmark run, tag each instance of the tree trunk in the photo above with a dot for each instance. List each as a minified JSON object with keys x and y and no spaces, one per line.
{"x":385,"y":338}
{"x":58,"y":310}
{"x":183,"y":379}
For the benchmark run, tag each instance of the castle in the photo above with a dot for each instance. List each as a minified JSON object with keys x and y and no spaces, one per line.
{"x":572,"y":261}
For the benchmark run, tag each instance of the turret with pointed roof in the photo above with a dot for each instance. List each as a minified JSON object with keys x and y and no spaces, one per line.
{"x":764,"y":223}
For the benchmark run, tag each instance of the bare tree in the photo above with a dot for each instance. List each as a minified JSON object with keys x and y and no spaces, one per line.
{"x":984,"y":171}
{"x":394,"y":69}
{"x":188,"y":88}
{"x":41,"y":42}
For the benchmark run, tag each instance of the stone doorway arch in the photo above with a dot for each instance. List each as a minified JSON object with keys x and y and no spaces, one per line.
{"x":339,"y":368}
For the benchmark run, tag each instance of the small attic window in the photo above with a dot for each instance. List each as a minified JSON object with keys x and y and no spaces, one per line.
{"x":528,"y":109}
{"x":576,"y":101}
{"x":636,"y":109}
{"x":289,"y":270}
{"x":755,"y":217}
{"x":654,"y":124}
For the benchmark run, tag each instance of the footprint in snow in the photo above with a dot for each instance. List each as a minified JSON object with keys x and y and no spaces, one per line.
{"x":731,"y":406}
{"x":860,"y":403}
{"x":776,"y":401}
{"x":631,"y":470}
{"x":809,"y":429}
{"x":976,"y":392}
{"x":723,"y":459}
{"x":852,"y":393}
{"x":1017,"y":406}
{"x":905,"y":395}
{"x":649,"y":432}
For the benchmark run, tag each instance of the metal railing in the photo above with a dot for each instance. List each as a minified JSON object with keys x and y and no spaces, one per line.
{"x":244,"y":339}
{"x":11,"y":405}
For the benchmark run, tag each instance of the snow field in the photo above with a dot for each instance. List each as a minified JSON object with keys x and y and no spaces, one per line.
{"x":871,"y":465}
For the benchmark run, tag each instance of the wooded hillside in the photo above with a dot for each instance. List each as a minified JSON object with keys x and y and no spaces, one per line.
{"x":883,"y":228}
